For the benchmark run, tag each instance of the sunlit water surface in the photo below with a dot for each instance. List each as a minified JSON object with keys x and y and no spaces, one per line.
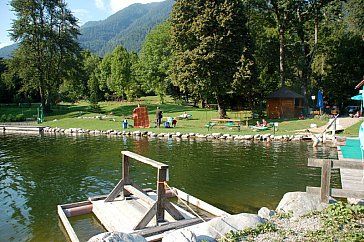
{"x":39,"y":172}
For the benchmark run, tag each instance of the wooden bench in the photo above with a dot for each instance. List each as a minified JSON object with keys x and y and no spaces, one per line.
{"x":222,"y":122}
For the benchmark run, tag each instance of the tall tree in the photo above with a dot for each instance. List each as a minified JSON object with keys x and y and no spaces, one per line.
{"x":155,"y":59}
{"x":116,"y":72}
{"x":47,"y":34}
{"x":208,"y":38}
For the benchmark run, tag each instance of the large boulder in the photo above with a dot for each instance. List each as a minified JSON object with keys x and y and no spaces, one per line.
{"x":217,"y":227}
{"x":300,"y":203}
{"x":181,"y":235}
{"x":117,"y":237}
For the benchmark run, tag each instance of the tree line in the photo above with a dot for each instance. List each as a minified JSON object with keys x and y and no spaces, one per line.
{"x":229,"y":52}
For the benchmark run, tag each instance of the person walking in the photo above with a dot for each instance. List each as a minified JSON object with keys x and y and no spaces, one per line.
{"x":158,"y":117}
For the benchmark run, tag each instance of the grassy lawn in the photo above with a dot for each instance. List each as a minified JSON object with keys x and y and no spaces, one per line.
{"x":79,"y":115}
{"x":352,"y":130}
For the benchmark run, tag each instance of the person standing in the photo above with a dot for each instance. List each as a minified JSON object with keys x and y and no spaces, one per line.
{"x":158,"y":117}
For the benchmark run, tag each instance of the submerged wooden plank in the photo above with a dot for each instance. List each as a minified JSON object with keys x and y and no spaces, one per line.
{"x":199,"y":203}
{"x":67,"y":225}
{"x":169,"y":226}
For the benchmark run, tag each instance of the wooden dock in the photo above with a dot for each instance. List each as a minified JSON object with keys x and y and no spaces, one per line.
{"x":351,"y":172}
{"x":352,"y":178}
{"x":131,"y":209}
{"x":21,"y":129}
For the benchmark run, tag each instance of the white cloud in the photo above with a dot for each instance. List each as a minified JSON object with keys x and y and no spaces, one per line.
{"x":82,"y":15}
{"x":117,"y":5}
{"x":100,"y":4}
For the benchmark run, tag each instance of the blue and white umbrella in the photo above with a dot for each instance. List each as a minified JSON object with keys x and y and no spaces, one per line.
{"x":357,"y":97}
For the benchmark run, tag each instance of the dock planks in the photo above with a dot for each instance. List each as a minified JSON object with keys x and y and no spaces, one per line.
{"x":124,"y":214}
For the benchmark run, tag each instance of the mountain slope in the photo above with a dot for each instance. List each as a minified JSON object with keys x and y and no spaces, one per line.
{"x":128,"y":27}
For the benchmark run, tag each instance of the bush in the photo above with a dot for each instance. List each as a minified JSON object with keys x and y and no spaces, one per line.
{"x":12,"y":118}
{"x":323,"y":117}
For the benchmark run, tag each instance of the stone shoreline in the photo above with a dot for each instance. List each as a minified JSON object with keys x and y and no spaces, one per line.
{"x":220,"y":136}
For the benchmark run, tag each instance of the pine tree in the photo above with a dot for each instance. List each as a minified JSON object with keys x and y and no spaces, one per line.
{"x":47,"y":34}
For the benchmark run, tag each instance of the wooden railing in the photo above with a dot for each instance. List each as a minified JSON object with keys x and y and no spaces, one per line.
{"x":126,"y":186}
{"x":326,"y":165}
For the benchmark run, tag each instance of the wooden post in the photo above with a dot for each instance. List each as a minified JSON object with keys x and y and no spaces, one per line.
{"x":161,"y":193}
{"x":333,"y":131}
{"x":125,"y":174}
{"x":325,"y":181}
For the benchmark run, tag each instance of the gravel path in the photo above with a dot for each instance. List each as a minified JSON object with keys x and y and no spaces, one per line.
{"x":291,"y":229}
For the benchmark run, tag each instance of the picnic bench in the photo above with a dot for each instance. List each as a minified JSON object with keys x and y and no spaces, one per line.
{"x":223,"y":122}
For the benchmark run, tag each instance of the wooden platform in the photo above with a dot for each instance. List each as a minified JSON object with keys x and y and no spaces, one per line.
{"x":124,"y":214}
{"x":131,"y":209}
{"x":351,"y":179}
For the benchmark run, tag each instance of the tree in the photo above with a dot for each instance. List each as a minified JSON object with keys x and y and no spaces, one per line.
{"x":116,"y":73}
{"x":208,"y":38}
{"x":155,"y":59}
{"x":47,"y":34}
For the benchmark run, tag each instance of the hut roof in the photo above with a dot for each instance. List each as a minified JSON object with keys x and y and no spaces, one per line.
{"x":284,"y":93}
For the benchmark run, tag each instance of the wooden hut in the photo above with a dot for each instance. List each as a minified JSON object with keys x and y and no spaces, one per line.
{"x":284,"y":103}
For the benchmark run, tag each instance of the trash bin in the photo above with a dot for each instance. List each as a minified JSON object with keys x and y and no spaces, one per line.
{"x":125,"y":124}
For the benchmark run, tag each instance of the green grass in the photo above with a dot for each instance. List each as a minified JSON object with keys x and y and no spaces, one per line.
{"x":352,"y":130}
{"x":67,"y":115}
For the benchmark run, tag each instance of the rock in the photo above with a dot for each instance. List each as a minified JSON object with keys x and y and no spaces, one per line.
{"x":117,"y":237}
{"x":216,"y":227}
{"x":300,"y":203}
{"x":248,"y":137}
{"x":265,"y":213}
{"x":216,"y":134}
{"x":180,"y":236}
{"x":257,"y":137}
{"x":356,"y":201}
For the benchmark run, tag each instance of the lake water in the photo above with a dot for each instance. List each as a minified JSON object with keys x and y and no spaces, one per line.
{"x":40,"y":172}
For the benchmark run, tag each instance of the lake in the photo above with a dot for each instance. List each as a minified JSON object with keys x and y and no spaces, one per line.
{"x":39,"y":172}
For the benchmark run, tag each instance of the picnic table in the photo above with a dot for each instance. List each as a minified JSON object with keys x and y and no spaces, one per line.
{"x":223,"y":122}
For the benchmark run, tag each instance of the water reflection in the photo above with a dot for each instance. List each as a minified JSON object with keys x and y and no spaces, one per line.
{"x":37,"y":173}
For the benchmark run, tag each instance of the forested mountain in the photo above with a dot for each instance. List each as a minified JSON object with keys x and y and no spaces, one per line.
{"x":128,"y":26}
{"x":6,"y":51}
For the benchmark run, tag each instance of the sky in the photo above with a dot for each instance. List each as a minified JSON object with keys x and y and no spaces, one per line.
{"x":84,"y":10}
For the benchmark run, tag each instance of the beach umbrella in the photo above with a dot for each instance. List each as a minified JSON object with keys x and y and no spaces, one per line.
{"x":357,"y":97}
{"x":320,"y":101}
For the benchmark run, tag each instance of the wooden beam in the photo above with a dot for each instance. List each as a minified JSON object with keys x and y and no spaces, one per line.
{"x":67,"y":225}
{"x":172,"y":210}
{"x":162,"y":228}
{"x":161,"y":193}
{"x":140,"y":194}
{"x":116,"y":191}
{"x":74,"y":205}
{"x":145,"y":160}
{"x":147,"y":217}
{"x":325,"y":181}
{"x":199,"y":203}
{"x":337,"y":164}
{"x":334,"y":192}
